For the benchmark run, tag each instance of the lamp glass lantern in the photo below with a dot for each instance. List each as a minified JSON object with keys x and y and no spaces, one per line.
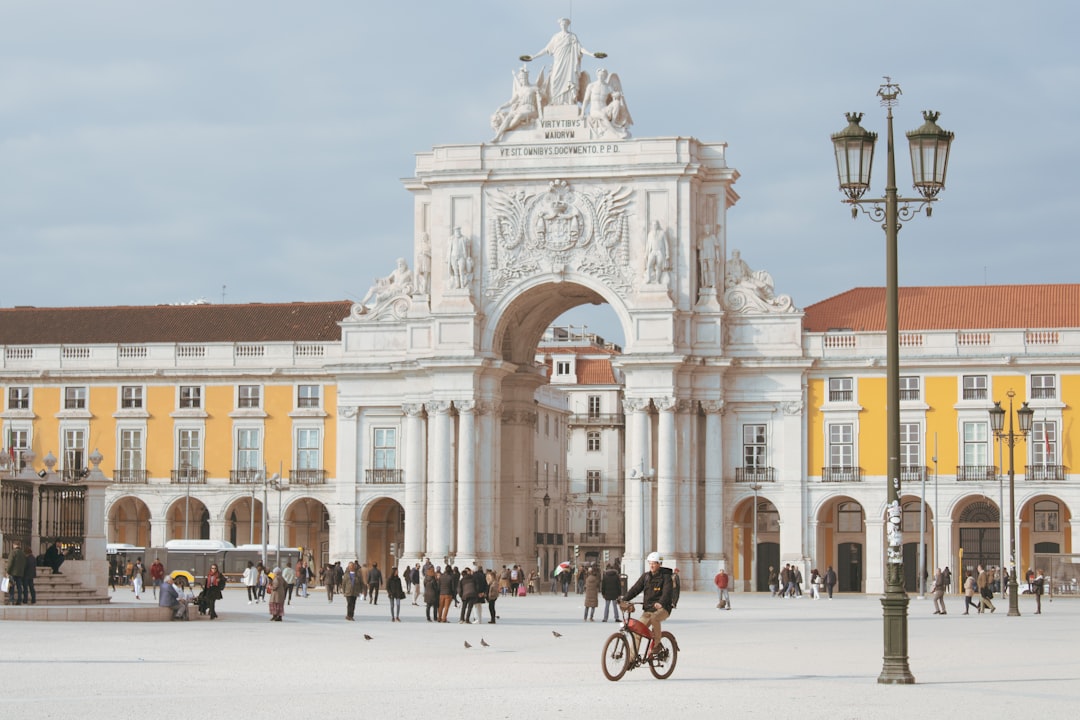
{"x":929,"y":146}
{"x":854,"y":146}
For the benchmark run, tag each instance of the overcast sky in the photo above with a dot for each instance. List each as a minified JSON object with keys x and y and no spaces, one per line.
{"x":154,"y":152}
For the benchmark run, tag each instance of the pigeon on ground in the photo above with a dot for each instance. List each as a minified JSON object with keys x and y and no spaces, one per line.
{"x":467,"y":645}
{"x":367,"y":637}
{"x":556,"y":634}
{"x":484,"y":643}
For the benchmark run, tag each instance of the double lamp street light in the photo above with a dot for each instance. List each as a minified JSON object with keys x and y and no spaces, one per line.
{"x":854,"y":147}
{"x":1024,"y":416}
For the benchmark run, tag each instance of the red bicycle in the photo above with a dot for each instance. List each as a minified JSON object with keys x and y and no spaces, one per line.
{"x":625,"y":649}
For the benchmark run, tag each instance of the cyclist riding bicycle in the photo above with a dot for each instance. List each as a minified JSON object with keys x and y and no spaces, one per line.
{"x":656,"y":601}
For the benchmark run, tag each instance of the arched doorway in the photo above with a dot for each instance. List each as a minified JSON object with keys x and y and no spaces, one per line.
{"x":129,"y":522}
{"x":307,"y":526}
{"x":752,"y":564}
{"x":1043,"y":524}
{"x":244,"y":522}
{"x":187,"y":519}
{"x":917,"y":566}
{"x":383,"y":524}
{"x":978,"y":527}
{"x":842,"y":541}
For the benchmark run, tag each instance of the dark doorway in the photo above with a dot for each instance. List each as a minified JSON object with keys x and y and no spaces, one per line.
{"x":912,"y":571}
{"x":768,"y":555}
{"x":849,"y":572}
{"x":981,"y":546}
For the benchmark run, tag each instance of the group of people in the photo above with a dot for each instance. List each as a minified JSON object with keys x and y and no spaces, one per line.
{"x":21,"y":570}
{"x":788,"y":582}
{"x":982,"y":585}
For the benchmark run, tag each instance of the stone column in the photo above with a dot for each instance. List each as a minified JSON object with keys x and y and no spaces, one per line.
{"x":874,"y":556}
{"x":638,"y":463}
{"x":689,"y":540}
{"x":666,"y":466}
{"x":440,"y":481}
{"x":415,"y":483}
{"x":466,"y":485}
{"x":485,"y":492}
{"x":715,"y":546}
{"x":344,"y":535}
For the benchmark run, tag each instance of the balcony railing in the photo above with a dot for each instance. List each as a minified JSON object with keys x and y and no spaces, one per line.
{"x":188,"y":476}
{"x":1043,"y":393}
{"x":755,"y":474}
{"x":912,"y":473}
{"x":841,"y":474}
{"x":1044,"y":472}
{"x":384,"y":476}
{"x":307,"y":476}
{"x":841,"y":395}
{"x":126,"y":475}
{"x":975,"y":393}
{"x":976,"y":473}
{"x":598,"y":419}
{"x":246,"y":476}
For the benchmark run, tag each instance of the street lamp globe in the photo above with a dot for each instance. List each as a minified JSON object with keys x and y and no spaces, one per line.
{"x":929,"y":146}
{"x":854,"y":146}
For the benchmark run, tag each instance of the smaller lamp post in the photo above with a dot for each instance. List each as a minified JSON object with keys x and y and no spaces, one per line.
{"x":1024,"y":415}
{"x":755,"y":486}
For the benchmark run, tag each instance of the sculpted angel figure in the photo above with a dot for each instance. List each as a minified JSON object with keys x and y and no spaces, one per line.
{"x":564,"y":84}
{"x":656,"y":254}
{"x":606,"y":106}
{"x":399,"y":282}
{"x":460,"y":260}
{"x":522,"y":108}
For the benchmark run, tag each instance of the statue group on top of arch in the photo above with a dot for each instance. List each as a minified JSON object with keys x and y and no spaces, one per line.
{"x":393,"y":292}
{"x":600,"y":103}
{"x":747,"y":290}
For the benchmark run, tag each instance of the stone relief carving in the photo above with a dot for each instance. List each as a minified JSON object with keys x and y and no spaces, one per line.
{"x":348,"y":412}
{"x":657,"y":255}
{"x":390,"y":295}
{"x":749,"y":290}
{"x":564,"y":228}
{"x":459,"y":260}
{"x":792,"y":408}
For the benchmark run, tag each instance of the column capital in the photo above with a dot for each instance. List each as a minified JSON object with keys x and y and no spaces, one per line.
{"x":635,"y":404}
{"x":794,"y":407}
{"x":438,"y":407}
{"x":489,"y":407}
{"x":664,"y":404}
{"x":348,"y":412}
{"x":465,"y":407}
{"x":713,"y":407}
{"x":685,"y":405}
{"x":521,"y":417}
{"x":413,"y":410}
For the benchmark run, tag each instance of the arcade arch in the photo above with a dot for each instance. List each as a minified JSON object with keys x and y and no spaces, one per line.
{"x":129,"y":522}
{"x":382,"y":525}
{"x":767,"y":552}
{"x":841,"y":542}
{"x":187,"y":519}
{"x":307,"y":526}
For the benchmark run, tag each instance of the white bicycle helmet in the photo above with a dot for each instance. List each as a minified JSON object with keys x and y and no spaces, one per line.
{"x":654,"y":557}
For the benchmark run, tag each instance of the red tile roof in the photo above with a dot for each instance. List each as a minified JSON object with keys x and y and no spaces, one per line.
{"x":256,"y":322}
{"x":594,"y":372}
{"x":953,"y":307}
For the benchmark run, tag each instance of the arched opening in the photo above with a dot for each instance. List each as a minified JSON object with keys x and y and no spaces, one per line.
{"x":978,"y":528}
{"x":752,"y":564}
{"x":383,"y":524}
{"x":307,"y":526}
{"x":918,"y":531}
{"x":129,"y":522}
{"x":187,"y":519}
{"x":1044,"y":527}
{"x":842,"y":542}
{"x":244,"y":521}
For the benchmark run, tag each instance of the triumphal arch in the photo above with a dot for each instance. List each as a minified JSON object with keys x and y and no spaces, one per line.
{"x":559,"y":206}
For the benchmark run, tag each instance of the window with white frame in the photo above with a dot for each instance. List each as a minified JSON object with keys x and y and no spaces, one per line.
{"x":249,"y":396}
{"x":190,"y":397}
{"x":1043,"y":387}
{"x":18,"y":398}
{"x":562,"y":367}
{"x":1047,"y":514}
{"x":18,"y":439}
{"x":308,"y":456}
{"x":910,"y":445}
{"x":131,"y":449}
{"x":592,"y":523}
{"x":307,"y":396}
{"x":755,"y":447}
{"x":975,"y":387}
{"x":385,"y":455}
{"x":592,"y":481}
{"x":594,"y":406}
{"x":910,"y":388}
{"x":592,"y":441}
{"x":75,"y":398}
{"x":976,"y":443}
{"x":131,"y":397}
{"x":842,"y":446}
{"x":1044,"y":443}
{"x":74,"y":451}
{"x":247,"y":449}
{"x":189,"y":442}
{"x":841,"y":389}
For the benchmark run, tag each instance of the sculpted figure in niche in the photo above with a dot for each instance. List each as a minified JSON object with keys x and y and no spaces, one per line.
{"x":460,"y":260}
{"x":656,"y":254}
{"x":607,"y":111}
{"x":564,"y":85}
{"x":399,"y":282}
{"x":423,"y":266}
{"x":522,"y":108}
{"x":708,"y":258}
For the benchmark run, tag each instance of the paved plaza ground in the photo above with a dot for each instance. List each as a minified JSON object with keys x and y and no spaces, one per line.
{"x":766,"y":658}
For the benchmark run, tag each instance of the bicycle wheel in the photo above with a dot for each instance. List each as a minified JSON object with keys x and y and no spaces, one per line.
{"x":662,"y":663}
{"x":616,"y":657}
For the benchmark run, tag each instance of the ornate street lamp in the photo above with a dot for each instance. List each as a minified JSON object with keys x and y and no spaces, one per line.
{"x":854,"y":147}
{"x":1024,"y":415}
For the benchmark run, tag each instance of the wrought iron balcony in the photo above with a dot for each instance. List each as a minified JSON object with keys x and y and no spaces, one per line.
{"x":841,"y":474}
{"x":384,"y":476}
{"x":189,"y":476}
{"x":755,"y":474}
{"x":307,"y":476}
{"x":1045,"y":472}
{"x":841,"y":395}
{"x":912,"y":473}
{"x":127,"y":475}
{"x":976,"y":473}
{"x":597,"y":419}
{"x":247,"y":476}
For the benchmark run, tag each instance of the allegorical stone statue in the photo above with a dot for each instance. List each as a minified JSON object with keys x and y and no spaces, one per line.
{"x":708,"y":257}
{"x":523,"y":107}
{"x":656,"y":254}
{"x":565,"y":84}
{"x":459,"y":260}
{"x":396,"y":284}
{"x":747,"y":290}
{"x":605,"y":107}
{"x":423,"y":266}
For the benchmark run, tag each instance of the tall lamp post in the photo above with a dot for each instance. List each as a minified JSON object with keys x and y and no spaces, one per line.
{"x":1024,"y":415}
{"x":854,"y":147}
{"x":755,"y":486}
